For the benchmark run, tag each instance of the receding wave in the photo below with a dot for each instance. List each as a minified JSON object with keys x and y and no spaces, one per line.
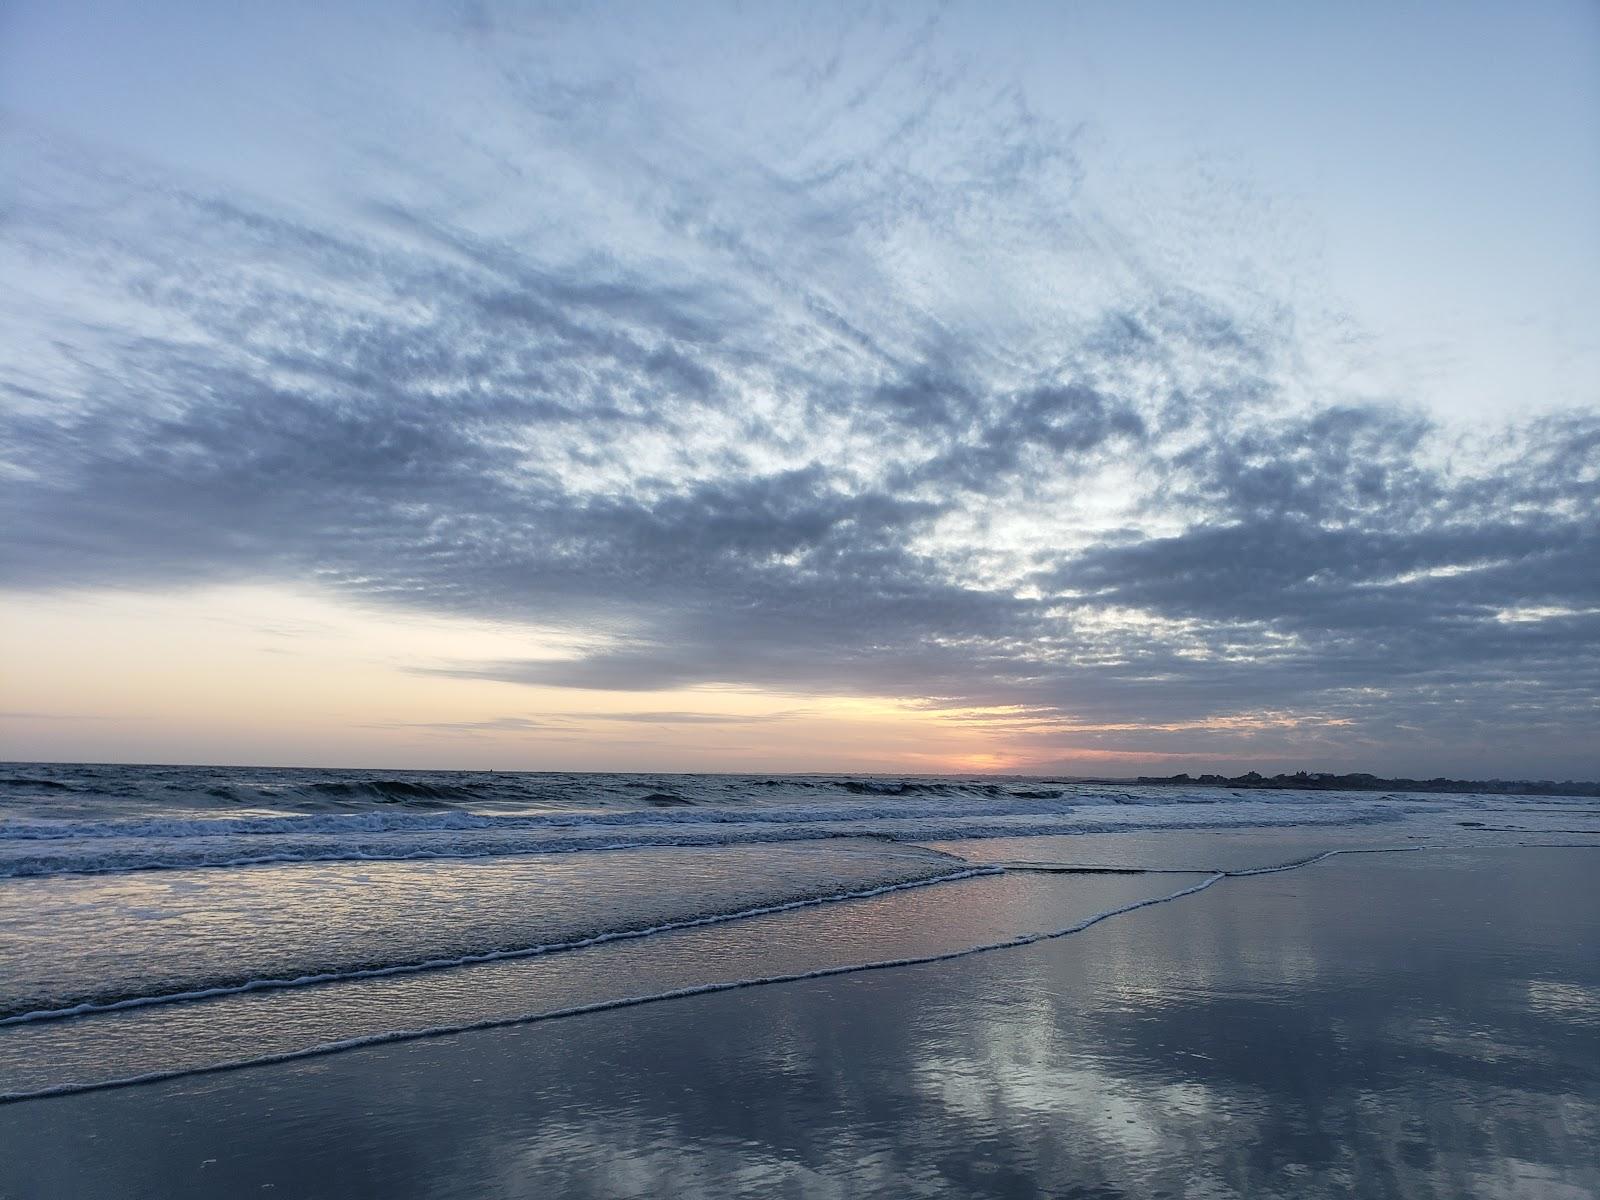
{"x":620,"y":1002}
{"x":233,"y":985}
{"x":58,"y":1057}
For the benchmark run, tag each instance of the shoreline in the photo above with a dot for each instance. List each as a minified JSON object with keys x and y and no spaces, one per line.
{"x":1226,"y":1038}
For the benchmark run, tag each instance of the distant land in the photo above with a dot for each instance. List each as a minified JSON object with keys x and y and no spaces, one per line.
{"x":1322,"y":781}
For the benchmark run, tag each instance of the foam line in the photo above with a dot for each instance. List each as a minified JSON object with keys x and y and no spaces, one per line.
{"x":435,"y":964}
{"x":1316,"y":858}
{"x":218,"y":850}
{"x":1554,"y":845}
{"x":1524,"y":829}
{"x":705,"y":989}
{"x":1092,"y":869}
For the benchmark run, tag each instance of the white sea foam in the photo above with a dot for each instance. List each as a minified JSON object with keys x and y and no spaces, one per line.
{"x":106,"y":847}
{"x":406,"y":821}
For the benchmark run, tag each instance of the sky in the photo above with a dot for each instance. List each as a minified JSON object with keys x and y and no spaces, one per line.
{"x":1062,"y":387}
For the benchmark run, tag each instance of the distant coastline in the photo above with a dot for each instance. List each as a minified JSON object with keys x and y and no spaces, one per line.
{"x":1323,"y":781}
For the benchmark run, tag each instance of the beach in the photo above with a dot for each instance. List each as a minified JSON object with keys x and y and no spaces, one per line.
{"x":1406,"y":1007}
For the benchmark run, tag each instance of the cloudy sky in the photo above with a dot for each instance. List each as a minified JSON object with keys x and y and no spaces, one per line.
{"x":1063,"y":387}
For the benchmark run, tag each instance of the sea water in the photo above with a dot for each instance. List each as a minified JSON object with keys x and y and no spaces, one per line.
{"x":163,"y":920}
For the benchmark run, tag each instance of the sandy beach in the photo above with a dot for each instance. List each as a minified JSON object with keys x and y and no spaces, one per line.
{"x":1396,"y":1024}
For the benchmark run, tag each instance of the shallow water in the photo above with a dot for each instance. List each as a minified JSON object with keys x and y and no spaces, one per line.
{"x":1396,"y":1025}
{"x":1212,"y":920}
{"x":911,"y":922}
{"x":150,"y":934}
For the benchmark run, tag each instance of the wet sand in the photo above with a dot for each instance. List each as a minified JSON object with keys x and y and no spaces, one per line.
{"x":1420,"y":1024}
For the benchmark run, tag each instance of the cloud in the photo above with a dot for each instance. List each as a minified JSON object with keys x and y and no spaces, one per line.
{"x":472,"y":728}
{"x":694,"y":718}
{"x":565,"y":726}
{"x":808,"y":414}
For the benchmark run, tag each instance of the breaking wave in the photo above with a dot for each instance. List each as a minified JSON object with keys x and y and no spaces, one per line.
{"x":106,"y":847}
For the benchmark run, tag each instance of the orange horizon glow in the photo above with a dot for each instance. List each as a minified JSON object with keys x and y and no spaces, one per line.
{"x":277,"y":676}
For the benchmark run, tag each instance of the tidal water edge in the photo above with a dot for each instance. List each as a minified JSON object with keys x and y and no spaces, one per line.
{"x":909,"y":987}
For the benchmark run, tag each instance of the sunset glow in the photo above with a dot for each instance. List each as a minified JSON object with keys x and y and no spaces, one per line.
{"x":507,"y":389}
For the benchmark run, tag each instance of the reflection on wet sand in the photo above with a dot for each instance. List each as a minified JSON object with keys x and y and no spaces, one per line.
{"x":1406,"y":1025}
